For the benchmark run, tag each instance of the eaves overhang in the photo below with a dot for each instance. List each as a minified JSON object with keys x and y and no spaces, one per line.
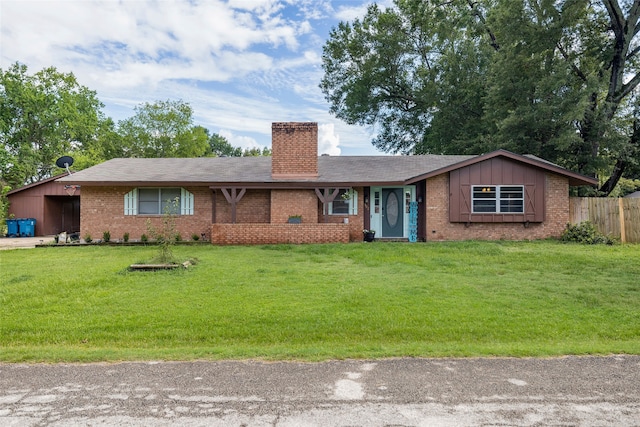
{"x":300,"y":185}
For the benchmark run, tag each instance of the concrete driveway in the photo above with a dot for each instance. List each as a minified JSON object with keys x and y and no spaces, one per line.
{"x":23,"y":242}
{"x":566,"y":391}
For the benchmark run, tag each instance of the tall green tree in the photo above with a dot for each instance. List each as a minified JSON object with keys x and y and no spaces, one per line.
{"x":221,"y":147}
{"x":161,"y":129}
{"x":42,"y":117}
{"x":555,"y":78}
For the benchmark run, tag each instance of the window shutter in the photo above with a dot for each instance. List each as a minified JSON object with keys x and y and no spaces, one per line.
{"x":131,"y":202}
{"x":186,"y":202}
{"x":464,"y":208}
{"x":533,"y":208}
{"x":353,"y":206}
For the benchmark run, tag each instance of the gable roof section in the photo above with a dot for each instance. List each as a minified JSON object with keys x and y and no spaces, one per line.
{"x":255,"y":172}
{"x":36,"y":184}
{"x":575,"y":179}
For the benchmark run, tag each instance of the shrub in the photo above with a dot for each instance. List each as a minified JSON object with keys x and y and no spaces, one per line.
{"x":178,"y":237}
{"x":144,"y":238}
{"x":106,"y":236}
{"x":195,"y":237}
{"x":125,"y":237}
{"x":586,"y":233}
{"x":87,"y":238}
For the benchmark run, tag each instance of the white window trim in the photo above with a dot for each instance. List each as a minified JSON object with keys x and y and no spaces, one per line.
{"x":353,"y":204}
{"x":131,"y":202}
{"x":497,"y":199}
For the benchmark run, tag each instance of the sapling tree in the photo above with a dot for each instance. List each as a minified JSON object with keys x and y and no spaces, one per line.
{"x":166,"y":236}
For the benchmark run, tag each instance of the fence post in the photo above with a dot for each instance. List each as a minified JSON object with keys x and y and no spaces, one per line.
{"x":623,"y":234}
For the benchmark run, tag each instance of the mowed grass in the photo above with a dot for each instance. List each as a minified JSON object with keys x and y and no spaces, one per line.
{"x":316,"y":302}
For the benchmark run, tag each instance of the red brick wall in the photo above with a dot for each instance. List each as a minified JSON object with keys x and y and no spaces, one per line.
{"x":438,"y":226}
{"x":285,"y":203}
{"x":265,"y":234}
{"x":254,"y":207}
{"x":294,"y":150}
{"x":102,"y":209}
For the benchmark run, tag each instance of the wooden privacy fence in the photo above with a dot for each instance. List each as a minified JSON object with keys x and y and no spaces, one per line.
{"x":618,"y":218}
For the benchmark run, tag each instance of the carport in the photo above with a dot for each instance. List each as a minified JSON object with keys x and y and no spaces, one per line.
{"x":54,"y":206}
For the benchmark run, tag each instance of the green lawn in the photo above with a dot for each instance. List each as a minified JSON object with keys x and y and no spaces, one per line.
{"x":315,"y":302}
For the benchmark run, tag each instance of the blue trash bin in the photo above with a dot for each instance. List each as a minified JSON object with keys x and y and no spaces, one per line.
{"x":12,"y":227}
{"x":27,"y":227}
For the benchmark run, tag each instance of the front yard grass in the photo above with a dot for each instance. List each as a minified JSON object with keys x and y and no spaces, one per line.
{"x":316,"y":302}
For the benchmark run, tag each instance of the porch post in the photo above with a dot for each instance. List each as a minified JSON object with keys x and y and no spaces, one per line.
{"x":233,"y":198}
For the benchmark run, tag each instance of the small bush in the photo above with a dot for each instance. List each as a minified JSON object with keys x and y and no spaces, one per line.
{"x":87,"y":238}
{"x":106,"y":236}
{"x":585,"y":233}
{"x":125,"y":237}
{"x":178,"y":237}
{"x":195,"y":237}
{"x":144,"y":238}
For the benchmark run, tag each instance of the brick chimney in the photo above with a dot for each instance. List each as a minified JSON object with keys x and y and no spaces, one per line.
{"x":294,"y":150}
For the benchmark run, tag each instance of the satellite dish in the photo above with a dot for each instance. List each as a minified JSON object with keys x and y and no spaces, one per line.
{"x":65,"y":162}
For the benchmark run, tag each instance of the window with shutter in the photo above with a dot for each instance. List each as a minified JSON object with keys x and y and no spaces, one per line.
{"x":346,"y":203}
{"x":158,"y":201}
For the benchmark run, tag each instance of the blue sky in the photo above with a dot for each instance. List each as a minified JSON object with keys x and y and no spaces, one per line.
{"x":240,"y":64}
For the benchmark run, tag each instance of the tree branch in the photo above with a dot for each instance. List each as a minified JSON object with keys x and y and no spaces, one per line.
{"x":633,"y":53}
{"x":632,"y":22}
{"x":574,"y":67}
{"x":492,"y":36}
{"x":627,"y":88}
{"x":617,"y":18}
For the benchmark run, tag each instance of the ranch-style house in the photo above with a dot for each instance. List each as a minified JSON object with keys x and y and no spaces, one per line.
{"x":296,"y":196}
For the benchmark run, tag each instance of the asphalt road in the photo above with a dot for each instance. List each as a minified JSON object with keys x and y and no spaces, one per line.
{"x":567,"y":391}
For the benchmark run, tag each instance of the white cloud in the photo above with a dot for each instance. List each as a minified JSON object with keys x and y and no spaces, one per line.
{"x":358,"y":10}
{"x":240,"y":64}
{"x":328,"y":140}
{"x":243,"y":142}
{"x":145,"y":42}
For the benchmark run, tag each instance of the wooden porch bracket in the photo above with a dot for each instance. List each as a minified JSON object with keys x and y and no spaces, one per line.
{"x":233,"y":197}
{"x":326,"y":195}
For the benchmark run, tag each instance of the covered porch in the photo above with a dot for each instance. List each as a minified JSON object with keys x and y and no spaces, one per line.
{"x":299,"y":213}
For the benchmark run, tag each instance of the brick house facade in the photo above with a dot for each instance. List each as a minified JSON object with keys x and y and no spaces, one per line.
{"x":500,"y":195}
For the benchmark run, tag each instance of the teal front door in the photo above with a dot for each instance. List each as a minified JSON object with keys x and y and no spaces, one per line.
{"x":392,"y":212}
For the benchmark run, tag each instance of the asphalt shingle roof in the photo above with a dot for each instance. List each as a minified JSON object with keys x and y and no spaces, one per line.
{"x":363,"y":170}
{"x":212,"y":170}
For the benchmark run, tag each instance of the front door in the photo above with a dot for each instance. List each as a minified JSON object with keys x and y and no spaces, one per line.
{"x":71,"y":214}
{"x":392,"y":212}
